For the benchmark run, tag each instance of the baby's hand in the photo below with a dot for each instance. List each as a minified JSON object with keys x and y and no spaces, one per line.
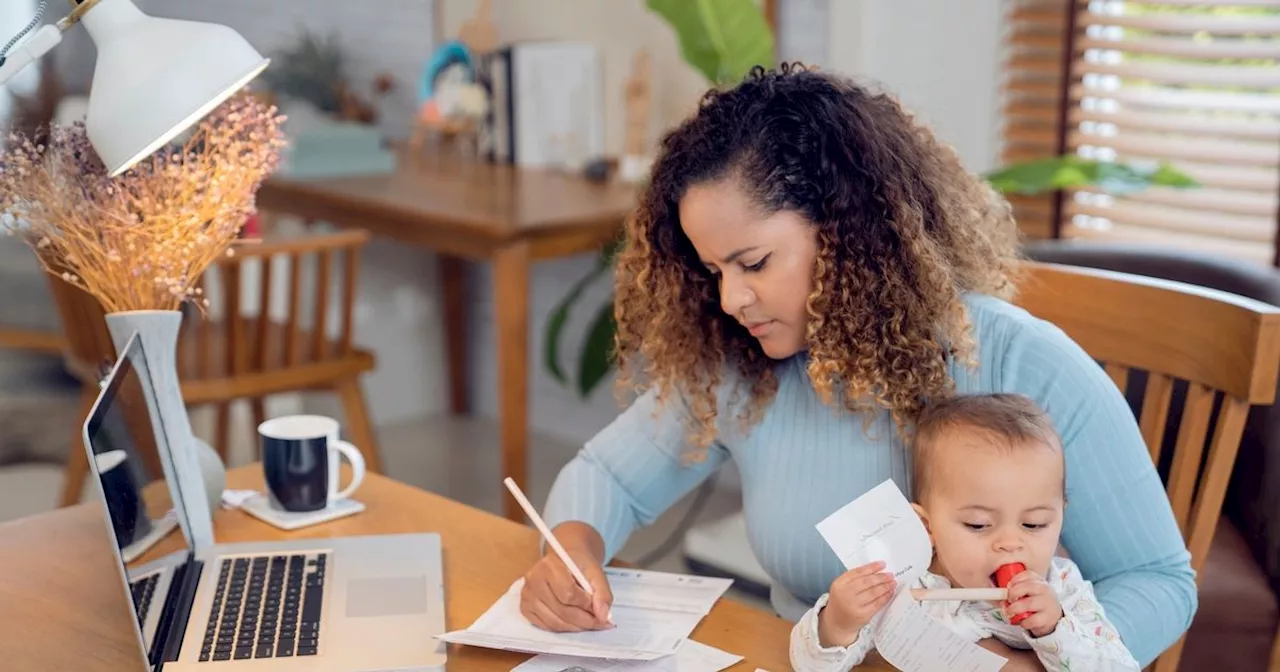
{"x":853,"y":600}
{"x":1029,"y":592}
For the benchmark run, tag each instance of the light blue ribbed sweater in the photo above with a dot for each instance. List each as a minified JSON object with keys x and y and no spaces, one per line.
{"x":804,"y":460}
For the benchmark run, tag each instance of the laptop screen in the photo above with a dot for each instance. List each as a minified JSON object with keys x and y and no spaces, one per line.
{"x":126,"y":461}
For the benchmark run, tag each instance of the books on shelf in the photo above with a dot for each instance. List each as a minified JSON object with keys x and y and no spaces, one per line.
{"x":547,"y":104}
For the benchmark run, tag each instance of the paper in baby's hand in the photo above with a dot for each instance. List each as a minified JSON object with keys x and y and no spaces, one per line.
{"x":881,"y":525}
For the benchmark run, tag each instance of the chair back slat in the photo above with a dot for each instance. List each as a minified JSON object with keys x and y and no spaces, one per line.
{"x":320,"y":320}
{"x":1119,"y":375}
{"x":1223,"y":349}
{"x":203,"y":351}
{"x":233,"y":328}
{"x":1188,"y":451}
{"x":1155,"y":412}
{"x":262,"y":336}
{"x":1217,"y":474}
{"x":350,"y":271}
{"x":295,"y":307}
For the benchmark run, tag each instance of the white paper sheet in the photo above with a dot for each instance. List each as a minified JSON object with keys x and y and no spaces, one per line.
{"x":653,"y":612}
{"x":692,"y":657}
{"x":911,"y":640}
{"x":881,"y":525}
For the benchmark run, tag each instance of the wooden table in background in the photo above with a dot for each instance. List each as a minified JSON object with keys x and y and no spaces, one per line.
{"x":470,"y":210}
{"x":62,"y":608}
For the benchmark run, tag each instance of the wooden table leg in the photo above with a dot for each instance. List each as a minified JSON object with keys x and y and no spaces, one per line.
{"x":511,"y":303}
{"x":453,"y":281}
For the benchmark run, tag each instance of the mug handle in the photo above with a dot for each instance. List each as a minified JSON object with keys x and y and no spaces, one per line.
{"x":357,"y":467}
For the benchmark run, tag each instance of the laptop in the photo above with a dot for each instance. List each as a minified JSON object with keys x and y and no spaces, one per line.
{"x":345,"y":603}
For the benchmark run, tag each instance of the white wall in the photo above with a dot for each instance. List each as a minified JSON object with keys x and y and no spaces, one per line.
{"x":942,"y":58}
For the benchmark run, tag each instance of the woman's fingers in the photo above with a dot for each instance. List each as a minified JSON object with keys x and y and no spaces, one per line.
{"x":551,"y":620}
{"x":601,"y":603}
{"x":540,"y":604}
{"x":553,"y":600}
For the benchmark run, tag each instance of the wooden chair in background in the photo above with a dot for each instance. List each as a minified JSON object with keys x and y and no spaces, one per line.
{"x":235,"y":351}
{"x":42,"y":342}
{"x":1219,"y":350}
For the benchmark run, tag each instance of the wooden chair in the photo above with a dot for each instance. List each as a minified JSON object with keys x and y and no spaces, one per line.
{"x":42,"y":342}
{"x":234,"y":351}
{"x":1223,"y":348}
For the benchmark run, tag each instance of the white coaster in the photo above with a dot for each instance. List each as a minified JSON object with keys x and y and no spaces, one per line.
{"x":259,"y":506}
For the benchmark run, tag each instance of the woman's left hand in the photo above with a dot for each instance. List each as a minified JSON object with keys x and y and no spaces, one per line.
{"x":1019,"y":661}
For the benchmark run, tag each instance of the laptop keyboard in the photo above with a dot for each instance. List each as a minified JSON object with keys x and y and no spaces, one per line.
{"x":266,"y":607}
{"x":144,"y":591}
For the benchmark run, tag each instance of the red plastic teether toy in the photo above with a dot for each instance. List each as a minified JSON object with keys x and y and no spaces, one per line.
{"x":1005,"y":574}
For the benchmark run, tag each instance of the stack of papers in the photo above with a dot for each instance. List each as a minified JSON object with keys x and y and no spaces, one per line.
{"x":692,"y":657}
{"x":654,"y":613}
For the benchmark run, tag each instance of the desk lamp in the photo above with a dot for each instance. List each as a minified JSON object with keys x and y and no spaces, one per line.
{"x":154,"y":77}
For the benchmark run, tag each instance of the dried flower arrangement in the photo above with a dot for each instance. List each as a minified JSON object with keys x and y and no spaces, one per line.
{"x":140,"y":241}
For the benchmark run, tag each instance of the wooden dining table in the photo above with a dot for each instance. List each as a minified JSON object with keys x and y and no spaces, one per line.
{"x":469,"y":210}
{"x":63,"y":606}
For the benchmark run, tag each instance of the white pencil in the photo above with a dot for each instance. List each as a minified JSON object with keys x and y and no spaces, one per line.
{"x":551,"y":538}
{"x":993,"y":594}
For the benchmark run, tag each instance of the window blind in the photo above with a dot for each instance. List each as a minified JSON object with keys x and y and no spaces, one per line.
{"x":1033,"y":106}
{"x":1193,"y":83}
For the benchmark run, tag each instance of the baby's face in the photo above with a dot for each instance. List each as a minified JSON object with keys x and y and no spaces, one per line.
{"x":988,"y":506}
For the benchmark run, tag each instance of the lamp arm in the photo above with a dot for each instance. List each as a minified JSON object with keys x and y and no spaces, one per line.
{"x":38,"y":45}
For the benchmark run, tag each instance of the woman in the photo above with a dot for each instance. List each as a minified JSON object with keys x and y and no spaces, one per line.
{"x":807,"y":267}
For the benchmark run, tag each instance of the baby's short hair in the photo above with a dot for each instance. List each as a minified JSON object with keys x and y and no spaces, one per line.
{"x":1010,"y":420}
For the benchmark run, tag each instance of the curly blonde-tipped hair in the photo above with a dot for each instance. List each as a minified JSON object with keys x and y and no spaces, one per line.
{"x":903,"y":231}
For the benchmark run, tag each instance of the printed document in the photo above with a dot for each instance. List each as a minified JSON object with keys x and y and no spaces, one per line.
{"x":881,"y":525}
{"x":691,"y":657}
{"x":653,"y":612}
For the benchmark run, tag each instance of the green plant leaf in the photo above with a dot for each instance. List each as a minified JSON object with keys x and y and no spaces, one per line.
{"x":722,"y":39}
{"x":1061,"y":172}
{"x":596,"y":357}
{"x":560,"y":314}
{"x":1167,"y":176}
{"x":1029,"y":177}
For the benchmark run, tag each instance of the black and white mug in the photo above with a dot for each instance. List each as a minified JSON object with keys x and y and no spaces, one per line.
{"x":300,"y":458}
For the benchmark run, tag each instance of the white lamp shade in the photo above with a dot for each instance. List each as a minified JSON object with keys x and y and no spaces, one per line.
{"x":156,"y":77}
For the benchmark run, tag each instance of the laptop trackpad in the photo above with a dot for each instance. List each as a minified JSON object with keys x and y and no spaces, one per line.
{"x":395,"y":596}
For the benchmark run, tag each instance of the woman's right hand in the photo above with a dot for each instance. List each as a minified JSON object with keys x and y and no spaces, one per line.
{"x":552,"y":600}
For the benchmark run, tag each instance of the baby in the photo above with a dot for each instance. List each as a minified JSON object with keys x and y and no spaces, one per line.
{"x":990,"y":488}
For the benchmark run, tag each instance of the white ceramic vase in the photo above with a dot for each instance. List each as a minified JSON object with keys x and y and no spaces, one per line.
{"x":192,"y":465}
